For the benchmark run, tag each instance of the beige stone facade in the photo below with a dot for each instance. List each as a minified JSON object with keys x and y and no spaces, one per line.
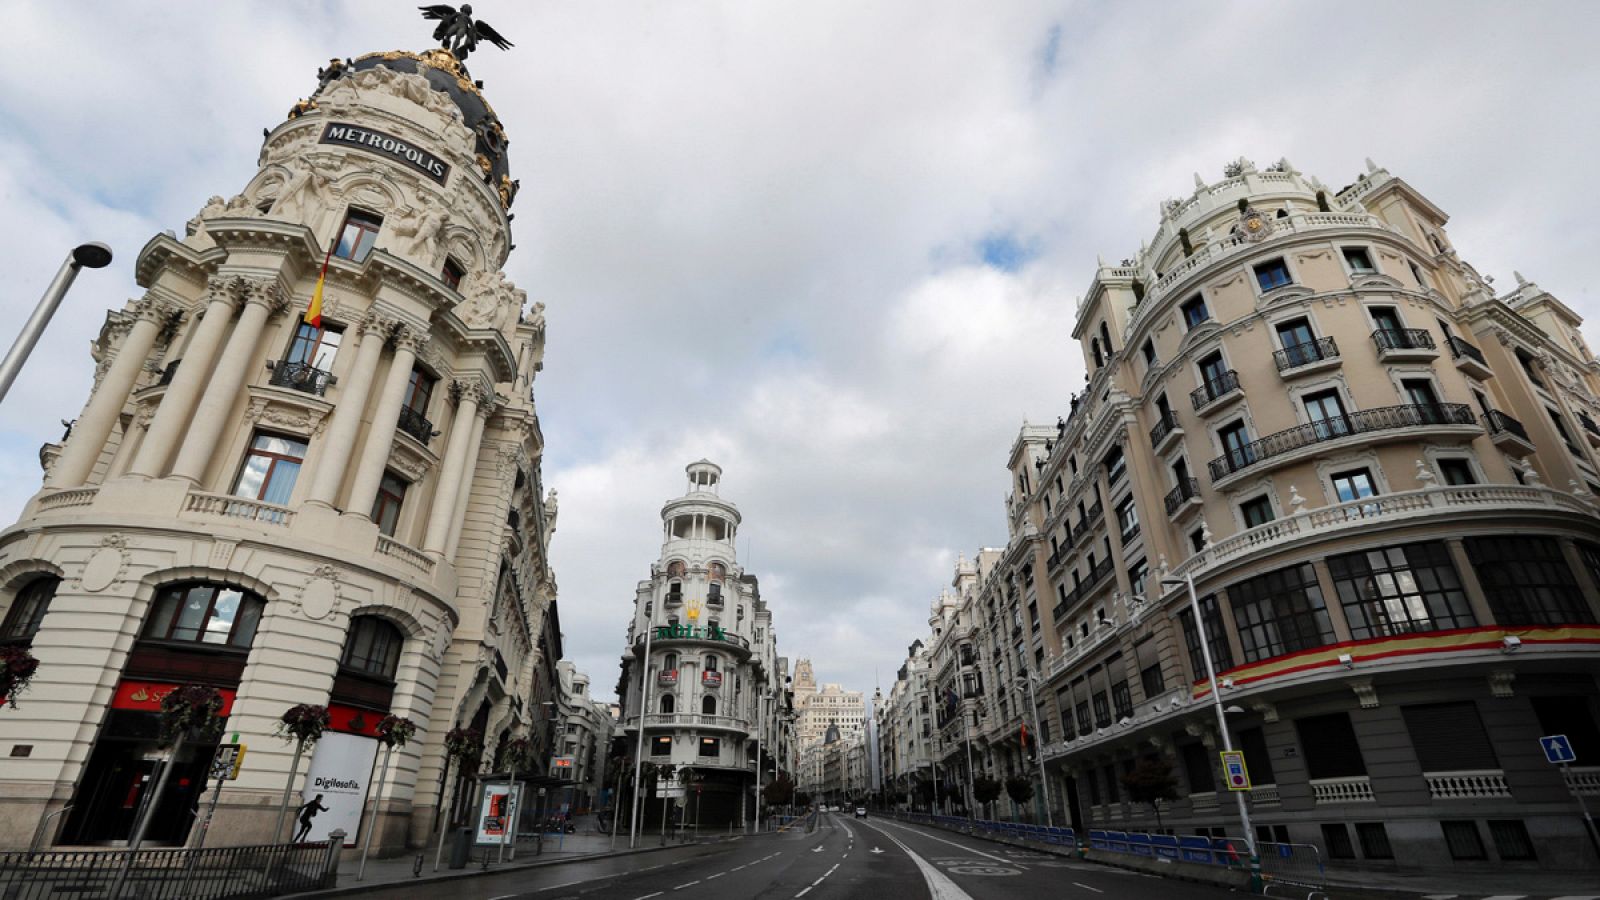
{"x":1380,"y":472}
{"x":349,"y":515}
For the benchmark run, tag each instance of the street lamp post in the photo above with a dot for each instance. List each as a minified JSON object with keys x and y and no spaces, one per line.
{"x":1222,"y":719}
{"x":638,"y":756}
{"x":1038,"y":753}
{"x":84,"y":256}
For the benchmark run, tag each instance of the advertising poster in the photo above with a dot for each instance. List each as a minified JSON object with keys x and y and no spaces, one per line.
{"x":495,"y":809}
{"x":336,"y":787}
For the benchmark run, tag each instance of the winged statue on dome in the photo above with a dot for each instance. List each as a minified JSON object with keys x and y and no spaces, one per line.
{"x":458,"y":32}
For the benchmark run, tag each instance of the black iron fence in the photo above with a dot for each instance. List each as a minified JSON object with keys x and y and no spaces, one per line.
{"x":1403,"y":339}
{"x":1187,"y":489}
{"x":212,"y":873}
{"x":415,"y":424}
{"x":1163,"y":427}
{"x":1499,"y":422}
{"x":1460,"y":348}
{"x":1383,"y":418}
{"x":1297,"y":355}
{"x":1214,"y":389}
{"x":300,"y":376}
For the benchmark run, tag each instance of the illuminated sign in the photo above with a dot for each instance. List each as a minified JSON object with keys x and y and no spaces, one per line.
{"x":709,"y":633}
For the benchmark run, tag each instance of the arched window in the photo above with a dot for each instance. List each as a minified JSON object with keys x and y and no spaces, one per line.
{"x":204,"y":612}
{"x":669,"y":662}
{"x":669,"y":704}
{"x":708,"y":705}
{"x":22,"y":620}
{"x":675,"y":593}
{"x":372,"y":648}
{"x":711,"y":662}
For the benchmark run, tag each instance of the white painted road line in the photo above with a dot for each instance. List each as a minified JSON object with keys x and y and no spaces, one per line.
{"x":690,"y":884}
{"x":940,"y":887}
{"x":648,"y":896}
{"x":1088,"y":888}
{"x":1009,"y":862}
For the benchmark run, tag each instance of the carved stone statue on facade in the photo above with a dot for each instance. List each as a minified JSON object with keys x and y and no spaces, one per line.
{"x":240,"y":205}
{"x":421,"y":232}
{"x":458,"y":33}
{"x":551,"y":507}
{"x":310,"y":182}
{"x":492,"y":301}
{"x":214,"y":207}
{"x":335,"y":70}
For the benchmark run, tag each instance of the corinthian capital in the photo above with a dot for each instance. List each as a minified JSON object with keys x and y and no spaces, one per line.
{"x":267,"y":293}
{"x":409,"y":337}
{"x":376,"y":322}
{"x":151,"y":308}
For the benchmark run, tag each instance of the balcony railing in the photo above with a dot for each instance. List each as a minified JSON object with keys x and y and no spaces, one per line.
{"x":1342,"y":790}
{"x":1499,"y":423}
{"x":169,"y":372}
{"x":1214,"y":389}
{"x":1476,"y":784}
{"x":300,"y":376}
{"x":1086,"y":587}
{"x":1588,"y":424}
{"x":1163,"y":427}
{"x":231,"y":507}
{"x":1384,"y":418}
{"x":1305,"y":354}
{"x":415,"y":424}
{"x":703,"y":720}
{"x":1388,"y":339}
{"x":1461,"y":349}
{"x":1187,"y":489}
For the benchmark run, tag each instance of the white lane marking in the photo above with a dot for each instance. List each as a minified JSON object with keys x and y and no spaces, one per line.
{"x":648,"y":896}
{"x":1088,"y":888}
{"x":690,"y":884}
{"x":940,"y":887}
{"x":718,"y":875}
{"x":737,"y":868}
{"x":503,"y":897}
{"x":1009,"y":862}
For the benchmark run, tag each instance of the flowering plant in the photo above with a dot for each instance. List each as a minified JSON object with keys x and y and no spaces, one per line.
{"x":17,"y":666}
{"x":465,"y":745}
{"x":305,"y":723}
{"x":395,"y":731}
{"x":191,"y":707}
{"x":518,"y":754}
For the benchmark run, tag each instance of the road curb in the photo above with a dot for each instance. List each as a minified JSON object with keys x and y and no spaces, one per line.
{"x":366,"y":887}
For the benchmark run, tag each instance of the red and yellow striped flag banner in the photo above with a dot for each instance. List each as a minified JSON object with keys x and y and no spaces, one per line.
{"x":313,"y":316}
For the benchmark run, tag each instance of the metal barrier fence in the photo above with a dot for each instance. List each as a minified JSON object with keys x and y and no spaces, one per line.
{"x":1295,"y":864}
{"x":1044,"y":834}
{"x":212,"y":873}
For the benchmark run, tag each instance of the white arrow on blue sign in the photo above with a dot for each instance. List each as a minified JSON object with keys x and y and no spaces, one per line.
{"x":1557,"y":748}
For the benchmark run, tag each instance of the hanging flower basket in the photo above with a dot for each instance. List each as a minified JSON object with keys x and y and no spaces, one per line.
{"x":395,"y":731}
{"x":518,"y":754}
{"x":465,"y":745}
{"x":17,"y":666}
{"x":192,"y":708}
{"x":304,"y":723}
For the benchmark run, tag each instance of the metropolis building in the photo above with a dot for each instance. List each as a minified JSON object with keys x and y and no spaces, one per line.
{"x":1381,"y":474}
{"x":347,"y":513}
{"x":702,"y":663}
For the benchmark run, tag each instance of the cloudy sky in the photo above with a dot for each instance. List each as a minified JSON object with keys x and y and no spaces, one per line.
{"x":832,"y":246}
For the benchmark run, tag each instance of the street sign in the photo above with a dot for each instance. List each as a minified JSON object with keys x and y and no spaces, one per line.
{"x":225,"y":765}
{"x":1233,"y":767}
{"x":1557,"y":749}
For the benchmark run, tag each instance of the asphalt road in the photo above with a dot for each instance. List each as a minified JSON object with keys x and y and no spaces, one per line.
{"x":843,"y":858}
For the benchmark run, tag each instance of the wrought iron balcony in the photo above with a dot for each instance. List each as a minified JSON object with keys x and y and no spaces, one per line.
{"x":1166,"y":425}
{"x":300,"y":376}
{"x":1507,"y":433}
{"x":415,"y":424}
{"x":1187,"y":489}
{"x":1299,"y":355}
{"x":1214,"y":389}
{"x":169,"y":372}
{"x":1469,"y":359}
{"x":1403,"y":341}
{"x":1366,"y":421}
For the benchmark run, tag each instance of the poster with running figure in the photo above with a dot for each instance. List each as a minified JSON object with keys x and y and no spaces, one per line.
{"x":336,"y":787}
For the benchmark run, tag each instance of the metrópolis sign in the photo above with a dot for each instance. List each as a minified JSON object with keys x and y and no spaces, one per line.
{"x":386,"y":145}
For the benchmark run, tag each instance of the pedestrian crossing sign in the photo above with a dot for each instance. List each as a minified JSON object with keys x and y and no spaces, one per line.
{"x":1233,"y":767}
{"x":1557,"y":748}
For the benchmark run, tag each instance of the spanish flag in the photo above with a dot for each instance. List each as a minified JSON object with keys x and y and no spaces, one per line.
{"x":313,"y":316}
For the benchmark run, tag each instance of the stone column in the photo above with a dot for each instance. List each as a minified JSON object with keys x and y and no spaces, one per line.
{"x":222,"y":391}
{"x":346,"y":423}
{"x":380,"y":437}
{"x":455,"y":460}
{"x":94,"y":425}
{"x":464,"y":492}
{"x":173,"y":414}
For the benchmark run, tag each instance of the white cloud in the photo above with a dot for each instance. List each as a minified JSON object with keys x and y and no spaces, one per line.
{"x":756,"y":227}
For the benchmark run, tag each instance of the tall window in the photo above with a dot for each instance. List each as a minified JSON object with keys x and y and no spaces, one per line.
{"x":1116,"y":466}
{"x":669,"y":704}
{"x":1256,"y":511}
{"x":270,"y":468}
{"x":1236,"y":445}
{"x":1272,"y":274}
{"x":204,"y":613}
{"x":28,"y":609}
{"x":1326,"y":413}
{"x":315,"y":347}
{"x":1329,"y":746}
{"x":1197,"y":766}
{"x":1449,"y":737}
{"x":1128,"y":518}
{"x":1194,"y":311}
{"x":419,"y":392}
{"x":1354,"y":484}
{"x":1399,"y":590}
{"x":1216,"y":637}
{"x":708,"y":705}
{"x":359,"y":233}
{"x":1212,"y":370}
{"x":1280,"y":612}
{"x":372,"y":648}
{"x":1527,"y":581}
{"x":452,"y":274}
{"x":1457,"y":471}
{"x":1299,"y":344}
{"x":1150,"y":677}
{"x":1359,"y":261}
{"x":1386,"y":319}
{"x":386,"y":508}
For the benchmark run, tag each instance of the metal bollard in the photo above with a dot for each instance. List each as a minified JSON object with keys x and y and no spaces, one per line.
{"x":330,"y":869}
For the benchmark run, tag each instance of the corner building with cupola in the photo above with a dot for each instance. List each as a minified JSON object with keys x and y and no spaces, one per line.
{"x":1381,"y":473}
{"x":702,"y":666}
{"x":347,"y":513}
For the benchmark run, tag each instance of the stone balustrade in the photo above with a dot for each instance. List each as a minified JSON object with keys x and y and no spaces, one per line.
{"x":1474,"y":784}
{"x":1342,"y":790}
{"x":231,"y":507}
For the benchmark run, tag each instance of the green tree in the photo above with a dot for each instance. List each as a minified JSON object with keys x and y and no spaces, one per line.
{"x":986,"y":790}
{"x":778,"y":792}
{"x":1019,"y":788}
{"x":1151,"y":781}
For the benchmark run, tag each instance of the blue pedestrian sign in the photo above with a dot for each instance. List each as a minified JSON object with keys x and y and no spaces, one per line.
{"x":1557,"y":749}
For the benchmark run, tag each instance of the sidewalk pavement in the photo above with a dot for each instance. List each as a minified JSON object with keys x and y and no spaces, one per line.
{"x":585,"y":843}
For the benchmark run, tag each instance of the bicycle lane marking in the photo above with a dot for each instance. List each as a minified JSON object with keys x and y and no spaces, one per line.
{"x":940,"y":887}
{"x":919,"y":833}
